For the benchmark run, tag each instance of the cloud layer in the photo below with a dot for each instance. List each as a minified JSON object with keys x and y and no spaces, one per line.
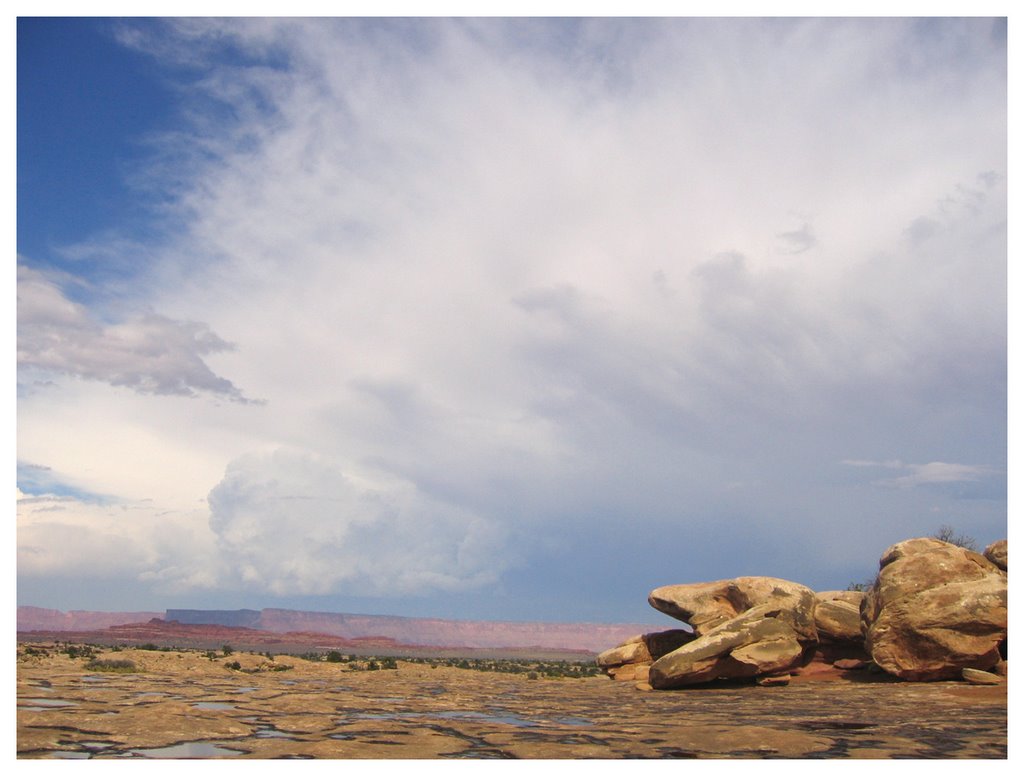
{"x":539,"y":307}
{"x":148,"y":353}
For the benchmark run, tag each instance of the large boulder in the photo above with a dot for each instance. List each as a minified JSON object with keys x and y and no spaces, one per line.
{"x":706,"y":605}
{"x":837,"y":616}
{"x":746,"y":627}
{"x":629,"y":660}
{"x":934,"y":610}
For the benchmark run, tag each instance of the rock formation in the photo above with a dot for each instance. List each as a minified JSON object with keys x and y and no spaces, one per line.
{"x":996,"y":552}
{"x":745,"y":627}
{"x":934,"y":610}
{"x":837,"y":616}
{"x":630,"y":660}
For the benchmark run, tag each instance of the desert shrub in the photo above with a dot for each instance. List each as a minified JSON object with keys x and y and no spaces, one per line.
{"x":234,"y":665}
{"x":112,"y":666}
{"x":227,"y":649}
{"x":78,"y":650}
{"x":946,"y":533}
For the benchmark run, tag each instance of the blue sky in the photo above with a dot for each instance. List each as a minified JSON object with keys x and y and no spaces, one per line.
{"x":510,"y":319}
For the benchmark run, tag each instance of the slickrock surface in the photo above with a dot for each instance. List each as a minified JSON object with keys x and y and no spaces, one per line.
{"x":185,"y":704}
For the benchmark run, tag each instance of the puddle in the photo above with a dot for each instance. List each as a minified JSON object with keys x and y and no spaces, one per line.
{"x":187,"y":749}
{"x":274,"y":733}
{"x":245,"y":689}
{"x":46,"y":703}
{"x":95,"y":678}
{"x":468,"y":716}
{"x":215,"y":705}
{"x":478,"y":716}
{"x":64,"y":754}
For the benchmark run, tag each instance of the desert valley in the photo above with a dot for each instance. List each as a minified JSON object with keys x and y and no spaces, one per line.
{"x":913,"y":667}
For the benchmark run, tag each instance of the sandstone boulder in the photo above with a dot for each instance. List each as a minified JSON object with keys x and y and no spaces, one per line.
{"x":934,"y":610}
{"x":837,"y":616}
{"x":974,"y":676}
{"x":706,"y":605}
{"x":996,"y":552}
{"x":746,"y":628}
{"x":623,"y":662}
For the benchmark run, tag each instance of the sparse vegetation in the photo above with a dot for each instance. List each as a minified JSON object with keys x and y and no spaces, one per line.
{"x":551,"y":669}
{"x":78,"y":650}
{"x":947,"y":533}
{"x":112,"y":666}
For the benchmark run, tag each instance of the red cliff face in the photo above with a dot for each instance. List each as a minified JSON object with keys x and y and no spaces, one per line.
{"x":428,"y":632}
{"x":592,"y":637}
{"x":33,"y":618}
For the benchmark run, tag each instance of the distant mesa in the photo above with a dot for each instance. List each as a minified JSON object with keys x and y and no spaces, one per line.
{"x":286,"y":626}
{"x":231,"y":618}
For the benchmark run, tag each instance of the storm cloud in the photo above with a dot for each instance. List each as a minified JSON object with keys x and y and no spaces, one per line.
{"x":555,"y":311}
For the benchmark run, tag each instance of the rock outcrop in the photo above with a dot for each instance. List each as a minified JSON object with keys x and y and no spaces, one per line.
{"x":934,"y":610}
{"x":996,"y":552}
{"x":837,"y":616}
{"x":630,"y":660}
{"x":746,"y":627}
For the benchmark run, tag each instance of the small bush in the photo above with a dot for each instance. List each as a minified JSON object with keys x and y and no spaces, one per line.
{"x":112,"y":666}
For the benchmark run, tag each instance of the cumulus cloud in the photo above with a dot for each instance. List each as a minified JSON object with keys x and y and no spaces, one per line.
{"x":288,"y":523}
{"x":148,"y":353}
{"x":134,"y":541}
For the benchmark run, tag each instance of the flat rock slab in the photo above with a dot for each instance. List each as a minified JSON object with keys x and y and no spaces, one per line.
{"x":320,"y":710}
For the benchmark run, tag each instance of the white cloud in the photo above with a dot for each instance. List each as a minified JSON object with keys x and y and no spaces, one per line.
{"x":543,"y":280}
{"x":66,"y":537}
{"x":933,"y":473}
{"x":148,"y":353}
{"x":290,"y":524}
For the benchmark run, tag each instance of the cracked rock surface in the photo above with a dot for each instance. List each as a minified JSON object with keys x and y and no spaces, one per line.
{"x":183,"y":704}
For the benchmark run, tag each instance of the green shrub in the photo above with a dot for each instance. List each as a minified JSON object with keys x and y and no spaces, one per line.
{"x":112,"y":666}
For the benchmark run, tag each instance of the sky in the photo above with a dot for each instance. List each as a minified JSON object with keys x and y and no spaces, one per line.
{"x":502,"y":318}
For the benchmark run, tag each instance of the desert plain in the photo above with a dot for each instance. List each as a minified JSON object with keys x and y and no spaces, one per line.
{"x":196,"y":704}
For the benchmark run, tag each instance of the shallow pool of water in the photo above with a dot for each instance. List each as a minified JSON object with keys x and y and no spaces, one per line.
{"x":186,"y":750}
{"x":216,"y":705}
{"x":47,"y":703}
